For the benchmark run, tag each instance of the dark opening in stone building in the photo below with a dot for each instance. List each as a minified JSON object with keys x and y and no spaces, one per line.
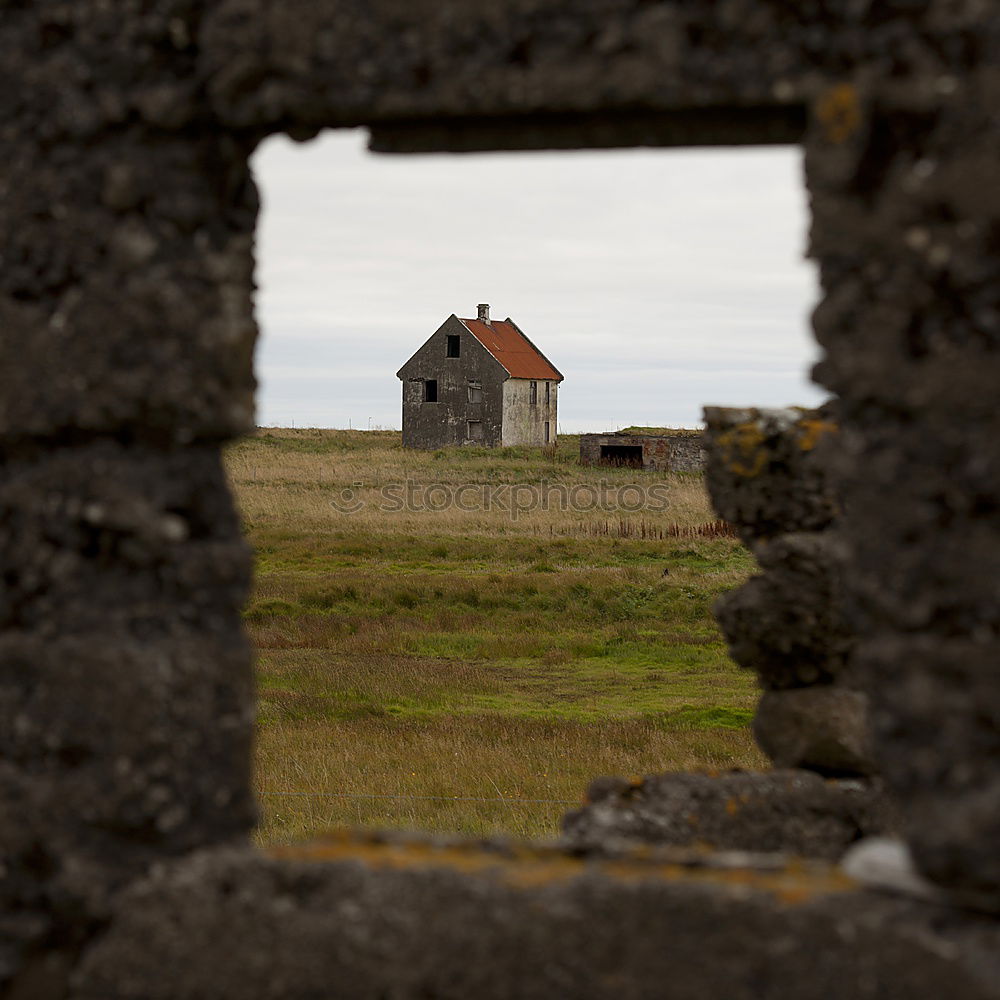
{"x":479,"y":381}
{"x":664,"y":451}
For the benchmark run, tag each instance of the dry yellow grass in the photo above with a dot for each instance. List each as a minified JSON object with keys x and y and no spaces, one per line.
{"x":467,"y":670}
{"x":297,"y":487}
{"x":527,"y":773}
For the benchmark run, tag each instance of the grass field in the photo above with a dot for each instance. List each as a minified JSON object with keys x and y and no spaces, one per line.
{"x":415,"y":658}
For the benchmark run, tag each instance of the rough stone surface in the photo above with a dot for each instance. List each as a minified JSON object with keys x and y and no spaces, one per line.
{"x":383,"y":917}
{"x":942,"y":707}
{"x":126,"y":315}
{"x":788,"y":624}
{"x":823,"y":728}
{"x":126,"y":334}
{"x":904,"y":232}
{"x":125,"y":699}
{"x":886,"y":863}
{"x":768,"y":474}
{"x":789,"y":811}
{"x":766,"y":470}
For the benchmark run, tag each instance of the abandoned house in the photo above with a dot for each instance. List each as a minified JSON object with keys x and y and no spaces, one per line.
{"x":478,"y":381}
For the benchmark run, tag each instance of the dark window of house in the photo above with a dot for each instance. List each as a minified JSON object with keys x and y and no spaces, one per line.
{"x":454,"y":345}
{"x":533,"y":394}
{"x":475,"y":392}
{"x":547,"y":384}
{"x":430,"y":390}
{"x":546,"y":422}
{"x":475,"y":430}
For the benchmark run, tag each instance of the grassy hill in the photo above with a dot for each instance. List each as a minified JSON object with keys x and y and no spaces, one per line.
{"x":438,"y":628}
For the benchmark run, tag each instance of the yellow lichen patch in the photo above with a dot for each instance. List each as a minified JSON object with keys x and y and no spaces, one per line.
{"x":732,"y":806}
{"x":810,"y":432}
{"x":742,"y":449}
{"x":402,"y":854}
{"x":525,"y":867}
{"x":840,"y":112}
{"x":790,"y":886}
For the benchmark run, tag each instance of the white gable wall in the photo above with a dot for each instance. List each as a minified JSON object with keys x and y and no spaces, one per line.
{"x":524,"y":422}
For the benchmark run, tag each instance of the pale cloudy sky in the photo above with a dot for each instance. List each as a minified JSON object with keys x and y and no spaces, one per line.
{"x":655,"y":280}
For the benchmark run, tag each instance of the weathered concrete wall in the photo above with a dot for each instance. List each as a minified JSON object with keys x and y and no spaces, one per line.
{"x":660,"y":452}
{"x":446,"y":422}
{"x":524,"y":421}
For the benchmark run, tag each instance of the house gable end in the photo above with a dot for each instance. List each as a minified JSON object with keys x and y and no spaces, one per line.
{"x":432,"y":350}
{"x":407,"y":366}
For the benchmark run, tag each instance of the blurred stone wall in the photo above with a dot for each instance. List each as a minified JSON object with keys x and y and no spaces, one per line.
{"x":767,"y":475}
{"x":126,"y":340}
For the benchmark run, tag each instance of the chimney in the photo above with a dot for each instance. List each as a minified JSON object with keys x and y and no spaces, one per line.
{"x":484,"y":312}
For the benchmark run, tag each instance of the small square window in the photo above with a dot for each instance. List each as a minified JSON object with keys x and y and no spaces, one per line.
{"x":454,"y":349}
{"x":475,"y":430}
{"x":430,"y":390}
{"x":475,"y":392}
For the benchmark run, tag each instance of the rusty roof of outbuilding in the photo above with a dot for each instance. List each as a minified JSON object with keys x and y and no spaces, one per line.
{"x":512,"y":349}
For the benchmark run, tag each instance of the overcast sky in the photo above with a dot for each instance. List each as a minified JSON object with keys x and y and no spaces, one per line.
{"x":655,"y":280}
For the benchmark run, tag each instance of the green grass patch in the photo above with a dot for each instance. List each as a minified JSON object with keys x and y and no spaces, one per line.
{"x":441,"y":656}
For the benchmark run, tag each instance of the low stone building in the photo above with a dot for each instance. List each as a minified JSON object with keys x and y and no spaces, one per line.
{"x":479,"y":381}
{"x":676,"y":451}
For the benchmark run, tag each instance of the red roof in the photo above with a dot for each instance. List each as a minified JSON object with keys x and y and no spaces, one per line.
{"x":512,"y":349}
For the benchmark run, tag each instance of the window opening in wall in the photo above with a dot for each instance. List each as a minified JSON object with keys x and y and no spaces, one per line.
{"x":454,"y":349}
{"x":533,"y":394}
{"x":430,"y":642}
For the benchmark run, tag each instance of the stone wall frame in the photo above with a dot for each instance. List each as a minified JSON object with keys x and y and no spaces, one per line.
{"x":126,"y":339}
